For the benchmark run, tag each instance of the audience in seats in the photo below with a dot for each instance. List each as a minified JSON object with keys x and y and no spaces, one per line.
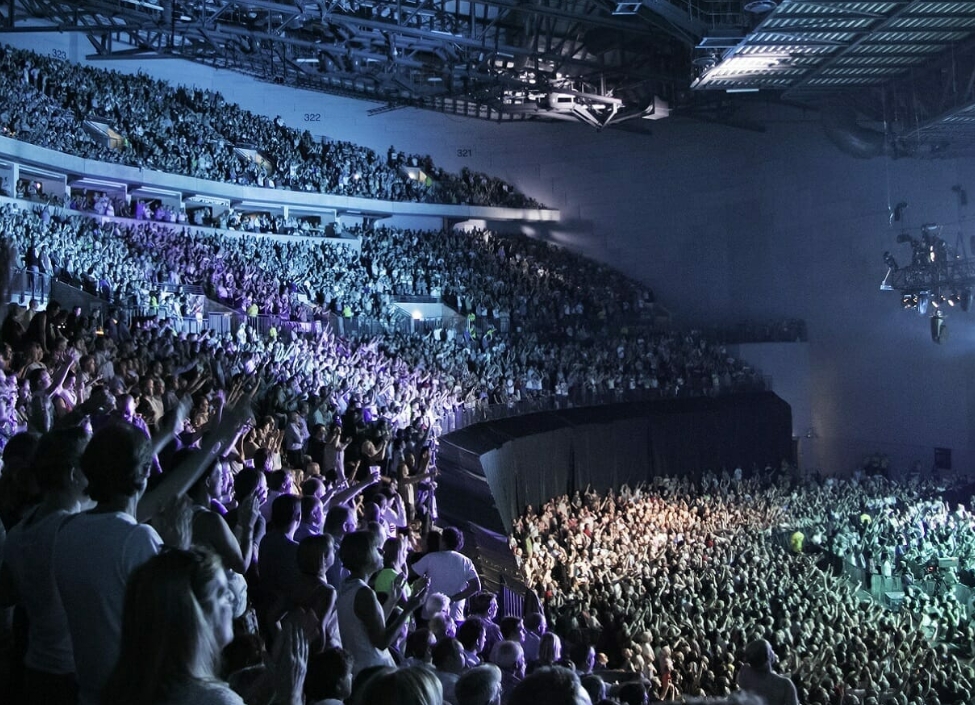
{"x":580,"y":338}
{"x":196,"y":133}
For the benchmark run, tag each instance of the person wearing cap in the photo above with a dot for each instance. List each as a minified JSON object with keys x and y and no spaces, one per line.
{"x":756,"y":676}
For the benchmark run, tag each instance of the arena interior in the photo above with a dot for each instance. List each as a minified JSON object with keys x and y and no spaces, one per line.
{"x":470,"y":352}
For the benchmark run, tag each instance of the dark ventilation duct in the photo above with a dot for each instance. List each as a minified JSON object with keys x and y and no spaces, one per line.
{"x":840,"y":124}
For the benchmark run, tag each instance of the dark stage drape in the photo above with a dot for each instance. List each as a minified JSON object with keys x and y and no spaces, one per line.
{"x":490,"y":471}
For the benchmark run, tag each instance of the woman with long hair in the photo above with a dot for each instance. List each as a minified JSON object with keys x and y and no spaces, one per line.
{"x":549,"y":650}
{"x":176,"y":620}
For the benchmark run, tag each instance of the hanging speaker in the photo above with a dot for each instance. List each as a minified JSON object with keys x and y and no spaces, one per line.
{"x":939,"y":330}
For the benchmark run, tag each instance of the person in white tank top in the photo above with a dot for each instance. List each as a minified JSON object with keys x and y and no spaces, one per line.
{"x":366,"y":627}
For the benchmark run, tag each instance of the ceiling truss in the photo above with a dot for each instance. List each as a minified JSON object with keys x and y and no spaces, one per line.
{"x":494,"y":59}
{"x":904,"y":69}
{"x":907,"y":67}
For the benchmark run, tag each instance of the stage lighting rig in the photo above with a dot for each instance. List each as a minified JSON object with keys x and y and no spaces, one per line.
{"x":937,"y":280}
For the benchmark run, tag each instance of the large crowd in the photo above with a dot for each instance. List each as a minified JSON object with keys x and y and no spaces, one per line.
{"x":189,"y":516}
{"x":533,"y":321}
{"x":277,"y":467}
{"x":301,"y":564}
{"x":675,"y":579}
{"x":197,"y":133}
{"x":211,"y":556}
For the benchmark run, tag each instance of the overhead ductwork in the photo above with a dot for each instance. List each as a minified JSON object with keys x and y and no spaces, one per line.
{"x":843,"y":130}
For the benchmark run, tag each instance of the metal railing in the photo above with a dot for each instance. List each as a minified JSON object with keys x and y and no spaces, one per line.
{"x":25,"y":285}
{"x":482,"y":411}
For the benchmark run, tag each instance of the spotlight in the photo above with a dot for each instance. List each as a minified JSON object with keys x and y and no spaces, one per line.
{"x":924,"y":298}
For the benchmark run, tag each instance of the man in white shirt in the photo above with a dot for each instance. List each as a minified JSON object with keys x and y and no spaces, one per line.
{"x":96,"y":551}
{"x":450,"y":572}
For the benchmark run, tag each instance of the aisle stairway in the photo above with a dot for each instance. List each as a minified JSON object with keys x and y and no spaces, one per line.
{"x":497,"y":567}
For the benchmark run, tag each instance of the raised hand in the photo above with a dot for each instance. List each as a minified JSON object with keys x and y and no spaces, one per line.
{"x":420,"y":588}
{"x":248,"y":510}
{"x":290,"y":660}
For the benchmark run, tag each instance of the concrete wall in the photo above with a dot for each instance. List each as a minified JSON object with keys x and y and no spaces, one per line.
{"x":724,"y":224}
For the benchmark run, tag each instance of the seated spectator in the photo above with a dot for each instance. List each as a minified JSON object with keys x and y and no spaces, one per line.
{"x":436,"y":604}
{"x":535,"y":627}
{"x":414,"y":685}
{"x":472,"y":636}
{"x":442,"y":625}
{"x":552,"y":685}
{"x":510,"y":658}
{"x":512,"y":629}
{"x":329,"y":679}
{"x":448,"y":664}
{"x":418,"y":648}
{"x":549,"y":651}
{"x":632,"y":693}
{"x":484,"y":605}
{"x":595,"y":686}
{"x":480,"y":685}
